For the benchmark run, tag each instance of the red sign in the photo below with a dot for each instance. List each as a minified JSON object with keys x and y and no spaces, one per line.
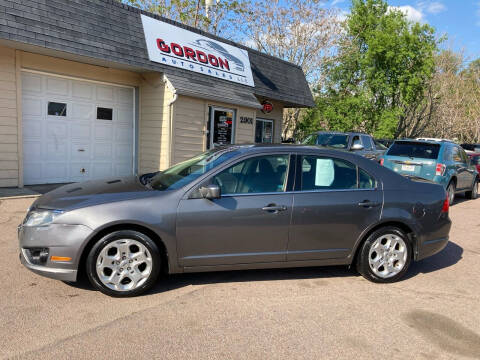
{"x":267,"y":107}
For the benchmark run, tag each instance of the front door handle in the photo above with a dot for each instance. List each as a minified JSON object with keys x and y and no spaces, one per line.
{"x":368,"y":203}
{"x":273,"y":208}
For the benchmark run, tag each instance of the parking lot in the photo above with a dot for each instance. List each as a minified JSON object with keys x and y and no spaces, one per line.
{"x":309,"y":313}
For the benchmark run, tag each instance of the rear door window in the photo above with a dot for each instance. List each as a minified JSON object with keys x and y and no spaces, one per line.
{"x":463,"y":155}
{"x":456,"y":155}
{"x":414,"y":150}
{"x":324,"y":173}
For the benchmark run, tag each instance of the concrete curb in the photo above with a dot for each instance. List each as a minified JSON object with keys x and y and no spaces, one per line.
{"x":13,"y":197}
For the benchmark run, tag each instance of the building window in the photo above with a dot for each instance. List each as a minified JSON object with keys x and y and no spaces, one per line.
{"x":104,"y":113}
{"x":264,"y":131}
{"x":221,"y":127}
{"x":57,"y":109}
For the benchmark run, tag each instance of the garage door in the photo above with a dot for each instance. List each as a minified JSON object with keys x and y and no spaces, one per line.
{"x":75,"y":130}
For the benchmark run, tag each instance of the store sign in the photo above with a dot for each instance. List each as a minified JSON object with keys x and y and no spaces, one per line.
{"x":170,"y":45}
{"x":267,"y":107}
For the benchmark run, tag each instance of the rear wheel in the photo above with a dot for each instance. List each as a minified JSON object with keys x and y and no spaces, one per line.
{"x":451,"y":192}
{"x":473,"y":194}
{"x":123,"y":263}
{"x":385,"y":256}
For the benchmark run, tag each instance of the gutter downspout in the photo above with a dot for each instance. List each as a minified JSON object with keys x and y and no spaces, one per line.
{"x":170,"y":126}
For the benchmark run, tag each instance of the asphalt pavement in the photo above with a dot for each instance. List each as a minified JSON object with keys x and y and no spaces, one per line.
{"x":303,"y":313}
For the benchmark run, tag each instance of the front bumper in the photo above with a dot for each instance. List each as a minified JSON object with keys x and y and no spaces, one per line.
{"x":50,"y":272}
{"x":62,"y":240}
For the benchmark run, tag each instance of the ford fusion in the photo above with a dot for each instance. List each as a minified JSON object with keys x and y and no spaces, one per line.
{"x":239,"y":207}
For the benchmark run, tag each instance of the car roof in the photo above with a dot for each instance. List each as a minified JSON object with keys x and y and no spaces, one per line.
{"x":422,"y":141}
{"x":259,"y":148}
{"x":341,"y":133}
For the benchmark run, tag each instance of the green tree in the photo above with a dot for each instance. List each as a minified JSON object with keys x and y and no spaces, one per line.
{"x":380,"y":74}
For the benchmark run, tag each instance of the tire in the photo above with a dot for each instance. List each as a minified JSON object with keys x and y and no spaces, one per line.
{"x":451,"y":192}
{"x":374,"y":251}
{"x":123,"y":263}
{"x":473,"y":194}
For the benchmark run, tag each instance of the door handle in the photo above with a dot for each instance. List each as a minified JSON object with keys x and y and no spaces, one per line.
{"x":368,"y":203}
{"x":272,"y":208}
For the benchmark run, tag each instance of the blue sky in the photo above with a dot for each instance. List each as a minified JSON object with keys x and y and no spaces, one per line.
{"x":460,"y":19}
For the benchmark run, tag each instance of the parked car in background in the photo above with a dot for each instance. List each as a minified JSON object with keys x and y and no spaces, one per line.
{"x":475,"y":160}
{"x":471,"y":147}
{"x":385,"y":142}
{"x":236,"y":208}
{"x":360,"y":143}
{"x":434,"y":139}
{"x":443,"y":162}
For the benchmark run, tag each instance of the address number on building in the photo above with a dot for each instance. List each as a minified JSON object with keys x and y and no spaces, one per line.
{"x":246,"y":120}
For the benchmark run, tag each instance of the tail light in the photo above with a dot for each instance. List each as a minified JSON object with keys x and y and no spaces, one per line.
{"x":440,"y":169}
{"x":446,"y":205}
{"x":381,"y":161}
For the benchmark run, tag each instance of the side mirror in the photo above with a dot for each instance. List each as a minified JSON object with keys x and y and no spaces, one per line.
{"x":210,"y":192}
{"x":357,"y":146}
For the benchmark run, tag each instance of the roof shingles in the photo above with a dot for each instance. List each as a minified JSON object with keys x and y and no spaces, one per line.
{"x":112,"y":31}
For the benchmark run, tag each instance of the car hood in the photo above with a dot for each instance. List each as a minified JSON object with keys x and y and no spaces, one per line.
{"x":88,"y":193}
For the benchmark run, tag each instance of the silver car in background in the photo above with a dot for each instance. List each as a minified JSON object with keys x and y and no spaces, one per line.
{"x":239,"y":207}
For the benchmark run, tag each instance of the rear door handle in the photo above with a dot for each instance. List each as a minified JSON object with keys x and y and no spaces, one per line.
{"x":273,"y":208}
{"x":368,"y":203}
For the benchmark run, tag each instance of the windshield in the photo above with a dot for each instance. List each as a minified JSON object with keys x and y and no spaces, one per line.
{"x":414,"y":150}
{"x":185,"y":172}
{"x":338,"y":141}
{"x":379,"y":145}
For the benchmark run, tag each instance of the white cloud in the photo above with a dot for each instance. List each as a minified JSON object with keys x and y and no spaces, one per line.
{"x":436,"y":7}
{"x":431,"y":7}
{"x":411,"y":13}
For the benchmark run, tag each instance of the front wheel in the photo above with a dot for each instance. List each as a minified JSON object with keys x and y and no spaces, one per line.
{"x":385,"y":256}
{"x":123,"y":263}
{"x":473,"y":194}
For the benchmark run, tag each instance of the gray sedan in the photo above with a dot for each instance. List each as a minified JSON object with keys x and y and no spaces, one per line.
{"x":240,"y":207}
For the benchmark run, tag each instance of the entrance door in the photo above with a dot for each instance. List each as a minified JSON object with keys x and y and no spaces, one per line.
{"x":75,"y":130}
{"x":264,"y":131}
{"x":221,"y":127}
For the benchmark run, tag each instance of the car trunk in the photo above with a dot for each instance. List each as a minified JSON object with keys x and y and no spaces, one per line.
{"x":423,"y":168}
{"x":413,"y":158}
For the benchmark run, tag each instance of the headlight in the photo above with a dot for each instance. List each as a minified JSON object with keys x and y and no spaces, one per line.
{"x":41,"y":217}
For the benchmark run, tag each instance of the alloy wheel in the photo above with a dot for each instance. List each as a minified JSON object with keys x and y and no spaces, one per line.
{"x":388,"y":255}
{"x":124,"y":265}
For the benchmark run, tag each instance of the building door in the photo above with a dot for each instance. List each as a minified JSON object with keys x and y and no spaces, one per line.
{"x":75,"y":130}
{"x":221,"y":127}
{"x":264,"y":131}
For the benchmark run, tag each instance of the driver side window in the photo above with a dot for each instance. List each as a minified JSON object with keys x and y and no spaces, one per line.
{"x":261,"y":174}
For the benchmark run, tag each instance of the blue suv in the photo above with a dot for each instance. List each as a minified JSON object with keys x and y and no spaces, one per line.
{"x":443,"y":162}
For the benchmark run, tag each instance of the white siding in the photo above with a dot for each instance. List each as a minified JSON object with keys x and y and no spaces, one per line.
{"x":9,"y":165}
{"x":154,"y":128}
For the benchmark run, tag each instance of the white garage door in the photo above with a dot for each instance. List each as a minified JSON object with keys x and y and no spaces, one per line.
{"x":75,"y":130}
